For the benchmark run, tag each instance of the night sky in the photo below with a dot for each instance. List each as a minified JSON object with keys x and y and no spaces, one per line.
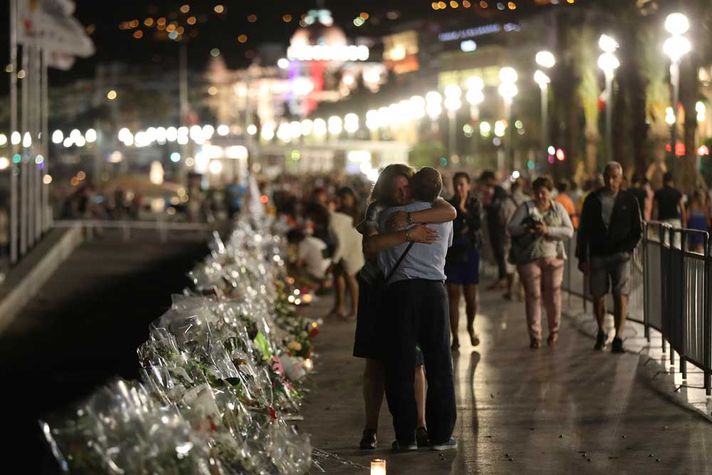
{"x":262,"y":21}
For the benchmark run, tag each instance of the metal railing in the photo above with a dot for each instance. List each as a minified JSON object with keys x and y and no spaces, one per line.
{"x":670,"y":291}
{"x":163,"y":228}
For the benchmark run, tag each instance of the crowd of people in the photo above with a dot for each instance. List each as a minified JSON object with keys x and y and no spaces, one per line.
{"x":401,"y":260}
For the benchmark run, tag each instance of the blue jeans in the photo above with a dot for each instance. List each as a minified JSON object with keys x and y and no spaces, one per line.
{"x":417,"y":314}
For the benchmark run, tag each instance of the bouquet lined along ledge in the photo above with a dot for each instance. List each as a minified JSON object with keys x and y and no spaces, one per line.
{"x":221,"y":374}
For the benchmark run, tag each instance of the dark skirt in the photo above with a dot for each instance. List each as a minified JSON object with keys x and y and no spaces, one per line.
{"x":465,"y":271}
{"x":368,"y":338}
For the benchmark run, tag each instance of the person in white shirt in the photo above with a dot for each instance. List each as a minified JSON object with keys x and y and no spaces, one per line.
{"x":310,"y":255}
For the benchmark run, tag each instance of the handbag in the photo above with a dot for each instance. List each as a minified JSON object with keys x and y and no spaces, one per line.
{"x":520,"y":251}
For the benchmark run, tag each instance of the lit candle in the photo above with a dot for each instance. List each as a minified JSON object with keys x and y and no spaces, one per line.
{"x":378,"y":467}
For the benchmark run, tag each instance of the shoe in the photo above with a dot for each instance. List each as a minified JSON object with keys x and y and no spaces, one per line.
{"x":474,"y":338}
{"x":450,"y":444}
{"x":368,"y":440}
{"x":534,"y":344}
{"x":508,"y":296}
{"x":409,"y":447}
{"x":601,"y":339}
{"x":553,"y":339}
{"x":421,"y":437}
{"x":617,"y":346}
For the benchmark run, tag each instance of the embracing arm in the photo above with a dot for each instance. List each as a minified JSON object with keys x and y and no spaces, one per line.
{"x":441,"y":212}
{"x":373,"y":243}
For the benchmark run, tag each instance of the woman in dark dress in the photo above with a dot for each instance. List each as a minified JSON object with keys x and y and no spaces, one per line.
{"x":462,"y":265}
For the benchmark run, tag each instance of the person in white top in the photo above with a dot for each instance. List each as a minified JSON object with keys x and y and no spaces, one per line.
{"x":347,"y":259}
{"x":310,"y":255}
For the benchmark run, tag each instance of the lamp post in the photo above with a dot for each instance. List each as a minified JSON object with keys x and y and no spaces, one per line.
{"x":608,"y":63}
{"x":547,"y":60}
{"x":453,"y":103}
{"x":474,"y":97}
{"x":675,"y":47}
{"x":433,"y":107}
{"x":508,"y":90}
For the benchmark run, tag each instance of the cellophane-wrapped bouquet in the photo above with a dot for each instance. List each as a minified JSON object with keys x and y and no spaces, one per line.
{"x":221,"y":375}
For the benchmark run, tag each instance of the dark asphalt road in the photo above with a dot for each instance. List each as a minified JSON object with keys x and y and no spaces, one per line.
{"x":82,"y":329}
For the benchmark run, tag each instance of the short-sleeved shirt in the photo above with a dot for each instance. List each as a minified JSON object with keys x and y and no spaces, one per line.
{"x":668,"y":199}
{"x":424,"y":261}
{"x":370,"y":271}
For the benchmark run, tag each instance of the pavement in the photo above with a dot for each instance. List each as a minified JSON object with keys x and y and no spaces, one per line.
{"x":82,"y":329}
{"x":553,"y":410}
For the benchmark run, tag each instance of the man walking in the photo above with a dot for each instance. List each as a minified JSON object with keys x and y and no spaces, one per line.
{"x":609,"y":231}
{"x":493,"y":200}
{"x":416,"y":313}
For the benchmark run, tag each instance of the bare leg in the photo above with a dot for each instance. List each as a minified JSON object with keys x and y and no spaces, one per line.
{"x":352,"y":283}
{"x":510,"y":286}
{"x":471,"y":306}
{"x":373,"y":390}
{"x":599,"y":309}
{"x":420,"y":394}
{"x":453,"y":294}
{"x":620,"y":312}
{"x":340,"y":291}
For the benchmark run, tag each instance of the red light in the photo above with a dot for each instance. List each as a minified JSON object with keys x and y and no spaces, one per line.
{"x":680,"y":149}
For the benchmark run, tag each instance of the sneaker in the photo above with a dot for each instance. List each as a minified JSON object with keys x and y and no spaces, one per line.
{"x":600,"y":340}
{"x":368,"y":440}
{"x":617,"y":346}
{"x":421,"y":437}
{"x":450,"y":444}
{"x":399,"y":447}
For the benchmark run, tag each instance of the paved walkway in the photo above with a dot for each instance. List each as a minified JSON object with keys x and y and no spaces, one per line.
{"x":519,"y":411}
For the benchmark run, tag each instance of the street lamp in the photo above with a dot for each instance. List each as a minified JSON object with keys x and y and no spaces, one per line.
{"x":608,"y":63}
{"x":546,"y":60}
{"x":475,"y":96}
{"x":453,"y":103}
{"x":433,"y":107}
{"x":508,"y":90}
{"x":351,"y":123}
{"x":675,"y":47}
